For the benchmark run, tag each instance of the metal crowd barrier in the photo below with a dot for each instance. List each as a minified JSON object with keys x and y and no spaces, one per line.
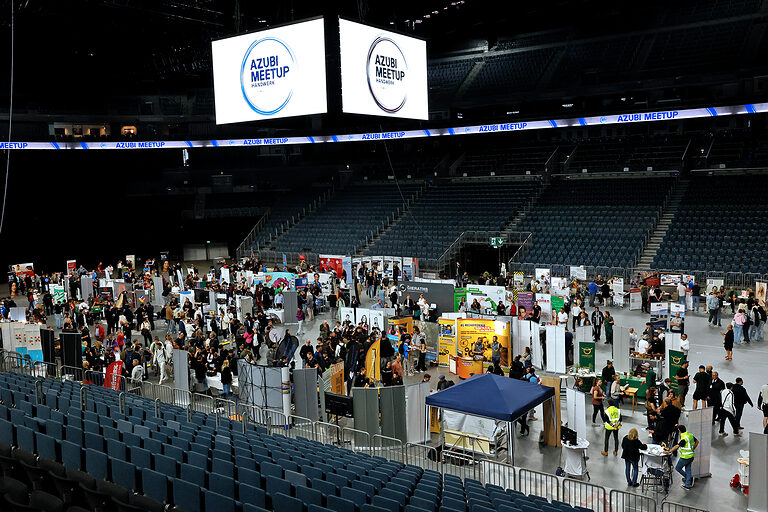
{"x":225,"y":408}
{"x":357,"y":440}
{"x":43,"y":369}
{"x":327,"y":433}
{"x":458,"y":463}
{"x":422,"y":455}
{"x":497,"y":473}
{"x":669,"y":506}
{"x":203,"y":403}
{"x":541,"y":484}
{"x":584,"y":494}
{"x":301,"y":427}
{"x":629,"y":502}
{"x":390,"y":448}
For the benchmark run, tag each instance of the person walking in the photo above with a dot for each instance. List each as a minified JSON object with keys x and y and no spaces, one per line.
{"x":762,"y":403}
{"x":612,"y":426}
{"x":702,"y":380}
{"x":608,"y":322}
{"x":740,"y":399}
{"x":630,"y":452}
{"x":728,"y":412}
{"x":597,"y":400}
{"x":715,"y":397}
{"x":685,"y":448}
{"x":728,"y":337}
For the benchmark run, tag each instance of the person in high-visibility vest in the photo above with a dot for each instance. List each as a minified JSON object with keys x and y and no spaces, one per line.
{"x":612,"y":426}
{"x":685,"y":448}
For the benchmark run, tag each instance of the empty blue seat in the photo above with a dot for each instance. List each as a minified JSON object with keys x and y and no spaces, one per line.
{"x":123,"y":473}
{"x":276,"y":485}
{"x":251,"y":494}
{"x":186,"y":495}
{"x":221,"y":484}
{"x":219,"y":502}
{"x":282,"y":502}
{"x":386,"y":503}
{"x":46,"y":446}
{"x":327,"y":488}
{"x":96,"y":464}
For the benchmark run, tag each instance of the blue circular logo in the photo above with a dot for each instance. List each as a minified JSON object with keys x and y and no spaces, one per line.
{"x":267,"y":75}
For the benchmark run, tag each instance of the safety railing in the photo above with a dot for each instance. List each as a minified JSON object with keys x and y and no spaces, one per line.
{"x":203,"y":403}
{"x":585,"y":494}
{"x":390,"y":448}
{"x":422,"y":455}
{"x":670,"y":506}
{"x":497,"y":473}
{"x":327,"y":433}
{"x":72,"y":373}
{"x":626,"y":501}
{"x":301,"y":427}
{"x":540,"y":484}
{"x":277,"y":421}
{"x":43,"y":369}
{"x":459,"y":463}
{"x":225,"y":409}
{"x":13,"y":362}
{"x":357,"y":440}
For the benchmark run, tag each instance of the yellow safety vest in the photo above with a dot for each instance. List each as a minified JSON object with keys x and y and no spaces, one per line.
{"x":686,"y":452}
{"x":613,"y":417}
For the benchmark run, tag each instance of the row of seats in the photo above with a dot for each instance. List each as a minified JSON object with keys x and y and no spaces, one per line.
{"x":199,"y":466}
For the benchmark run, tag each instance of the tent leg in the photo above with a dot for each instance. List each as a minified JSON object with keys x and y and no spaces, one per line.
{"x":510,"y":443}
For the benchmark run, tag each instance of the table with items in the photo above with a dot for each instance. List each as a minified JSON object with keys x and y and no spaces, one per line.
{"x":576,"y":458}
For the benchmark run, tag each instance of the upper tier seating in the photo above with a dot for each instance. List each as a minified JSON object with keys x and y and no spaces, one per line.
{"x":342,"y":224}
{"x":434,"y":222}
{"x":591,"y":222}
{"x":719,"y":226}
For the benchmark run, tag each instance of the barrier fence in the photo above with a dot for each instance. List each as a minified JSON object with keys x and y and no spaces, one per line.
{"x":460,"y":463}
{"x":621,"y":500}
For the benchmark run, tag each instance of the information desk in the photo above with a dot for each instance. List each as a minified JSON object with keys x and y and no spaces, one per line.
{"x":576,"y":458}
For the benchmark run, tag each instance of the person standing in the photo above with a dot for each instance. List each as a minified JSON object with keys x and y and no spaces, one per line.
{"x":756,"y":322}
{"x":597,"y":323}
{"x":728,"y":337}
{"x":715,"y":397}
{"x":597,"y":400}
{"x":728,"y":412}
{"x":300,"y":320}
{"x":593,"y":289}
{"x":608,"y":322}
{"x":681,"y":288}
{"x":695,"y":297}
{"x":683,"y":382}
{"x":496,"y":351}
{"x":630,"y":452}
{"x":762,"y":403}
{"x":703,"y":381}
{"x":738,"y":326}
{"x":740,"y":399}
{"x":612,"y":426}
{"x":575,"y":313}
{"x":685,"y":448}
{"x":607,"y":375}
{"x":713,"y":305}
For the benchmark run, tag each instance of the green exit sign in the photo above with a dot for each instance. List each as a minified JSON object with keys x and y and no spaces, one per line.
{"x":496,"y":242}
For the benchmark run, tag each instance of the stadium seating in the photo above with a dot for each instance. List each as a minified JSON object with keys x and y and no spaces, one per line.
{"x":222,"y":481}
{"x":718,"y":227}
{"x":342,"y":225}
{"x":434,"y":222}
{"x":590,"y":222}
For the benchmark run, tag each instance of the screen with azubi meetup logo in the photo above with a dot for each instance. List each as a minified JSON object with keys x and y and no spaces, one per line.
{"x":269,"y":74}
{"x":383,"y":73}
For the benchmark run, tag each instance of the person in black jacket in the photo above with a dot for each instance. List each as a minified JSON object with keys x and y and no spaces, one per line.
{"x":516,"y":370}
{"x":226,"y":378}
{"x":630,"y":452}
{"x":716,"y":389}
{"x":740,"y":399}
{"x":608,"y":374}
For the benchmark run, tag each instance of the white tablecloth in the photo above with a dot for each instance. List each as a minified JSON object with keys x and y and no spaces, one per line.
{"x":279,"y":313}
{"x":575,"y":457}
{"x":652,"y":457}
{"x":215,"y":382}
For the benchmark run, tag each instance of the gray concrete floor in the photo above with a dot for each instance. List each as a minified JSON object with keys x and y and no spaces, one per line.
{"x":714,"y":493}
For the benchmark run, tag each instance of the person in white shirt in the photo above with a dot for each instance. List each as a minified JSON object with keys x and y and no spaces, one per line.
{"x":681,"y":288}
{"x":575,"y":313}
{"x":562,"y":317}
{"x":684,"y":344}
{"x":633,"y":338}
{"x":643,"y":345}
{"x":137,"y":374}
{"x":424,"y":305}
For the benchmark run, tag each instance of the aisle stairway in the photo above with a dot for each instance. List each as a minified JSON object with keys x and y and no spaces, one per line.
{"x":654,"y":242}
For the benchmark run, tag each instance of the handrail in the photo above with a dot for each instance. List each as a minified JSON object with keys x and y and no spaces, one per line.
{"x":247,"y":241}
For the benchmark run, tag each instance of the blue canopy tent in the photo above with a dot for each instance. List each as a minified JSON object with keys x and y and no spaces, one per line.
{"x":492,"y":396}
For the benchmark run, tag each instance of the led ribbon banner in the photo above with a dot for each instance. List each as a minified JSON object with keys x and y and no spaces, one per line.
{"x":662,"y":115}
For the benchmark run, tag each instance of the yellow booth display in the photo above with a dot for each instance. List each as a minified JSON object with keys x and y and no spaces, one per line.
{"x":446,"y":341}
{"x":470,"y":330}
{"x":373,"y":361}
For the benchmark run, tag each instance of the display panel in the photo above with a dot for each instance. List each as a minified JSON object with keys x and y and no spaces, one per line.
{"x":382,"y":73}
{"x":273,"y":73}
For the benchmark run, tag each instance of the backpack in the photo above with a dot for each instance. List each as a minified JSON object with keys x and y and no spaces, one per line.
{"x":763,"y":316}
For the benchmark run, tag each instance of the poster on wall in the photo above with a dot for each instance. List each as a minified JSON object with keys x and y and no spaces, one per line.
{"x":376,"y":263}
{"x":446,"y":340}
{"x":330,"y":262}
{"x":282,"y":280}
{"x":58,"y":293}
{"x":587,"y":354}
{"x":23,"y":270}
{"x":524,"y":301}
{"x":387,"y":270}
{"x":558,"y":302}
{"x":130,"y":259}
{"x":559,"y":285}
{"x":671,"y":279}
{"x":713,"y":282}
{"x":677,"y":318}
{"x":760,"y":290}
{"x":676,"y":360}
{"x":579,"y":273}
{"x":71,"y":267}
{"x":346,"y":265}
{"x":635,"y":299}
{"x":470,"y":331}
{"x":618,"y":292}
{"x":543,"y":275}
{"x":225,"y":275}
{"x":545,"y":303}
